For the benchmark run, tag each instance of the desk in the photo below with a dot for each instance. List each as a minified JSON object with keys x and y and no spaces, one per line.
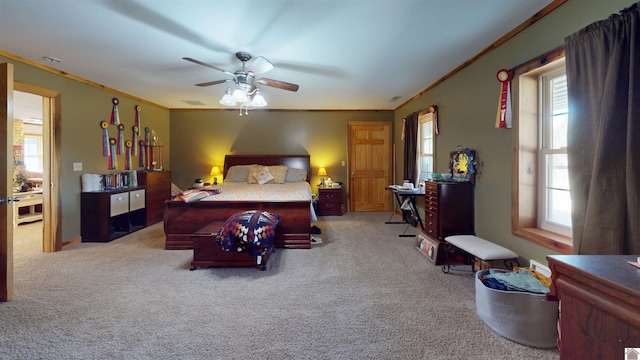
{"x":409,"y":215}
{"x":27,"y":199}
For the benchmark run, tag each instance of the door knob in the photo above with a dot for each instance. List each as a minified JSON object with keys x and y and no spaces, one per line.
{"x":9,"y":199}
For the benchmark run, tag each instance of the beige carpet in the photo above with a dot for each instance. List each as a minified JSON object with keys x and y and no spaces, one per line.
{"x":364,"y":293}
{"x":27,"y":240}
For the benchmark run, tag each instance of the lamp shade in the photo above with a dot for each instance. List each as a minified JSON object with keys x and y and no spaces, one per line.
{"x":227,"y":99}
{"x":322,"y":172}
{"x":258,"y":100}
{"x":240,"y":96}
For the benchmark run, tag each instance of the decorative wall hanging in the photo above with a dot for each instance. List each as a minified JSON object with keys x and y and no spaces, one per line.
{"x":127,"y":159}
{"x":462,"y":164}
{"x":143,"y":155}
{"x":120,"y":139}
{"x":115,"y":117}
{"x":503,"y":117}
{"x":113,"y":160}
{"x":105,"y":138}
{"x":134,"y":140}
{"x":136,"y":129}
{"x":114,"y":145}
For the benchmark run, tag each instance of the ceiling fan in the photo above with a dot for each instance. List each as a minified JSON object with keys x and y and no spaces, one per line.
{"x":245,"y":92}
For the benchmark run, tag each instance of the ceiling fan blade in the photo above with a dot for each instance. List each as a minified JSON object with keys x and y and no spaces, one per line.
{"x":260,"y":66}
{"x":208,"y":65}
{"x":278,"y":84}
{"x":214,"y":82}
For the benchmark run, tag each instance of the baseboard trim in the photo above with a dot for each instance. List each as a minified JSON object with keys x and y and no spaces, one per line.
{"x":72,"y":242}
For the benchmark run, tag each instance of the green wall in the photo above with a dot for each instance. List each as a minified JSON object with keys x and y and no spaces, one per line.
{"x":201,"y":139}
{"x":467,"y":105}
{"x":83,"y":107}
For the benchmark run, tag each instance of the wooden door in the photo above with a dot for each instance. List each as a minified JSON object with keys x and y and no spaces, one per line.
{"x":6,"y":181}
{"x":370,"y":165}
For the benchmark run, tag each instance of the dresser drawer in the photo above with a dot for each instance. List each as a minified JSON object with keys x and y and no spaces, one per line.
{"x":119,"y":204}
{"x":137,"y":200}
{"x":330,"y":196}
{"x":431,"y":225}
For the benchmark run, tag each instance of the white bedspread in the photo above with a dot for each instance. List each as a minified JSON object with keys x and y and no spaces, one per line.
{"x":238,"y":191}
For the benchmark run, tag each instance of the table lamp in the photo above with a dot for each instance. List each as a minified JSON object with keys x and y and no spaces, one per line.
{"x":322,"y":172}
{"x":215,"y":172}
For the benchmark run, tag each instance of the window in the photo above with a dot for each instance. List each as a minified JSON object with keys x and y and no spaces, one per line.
{"x":33,"y":158}
{"x":554,"y":212}
{"x":426,"y":144}
{"x":541,"y":205}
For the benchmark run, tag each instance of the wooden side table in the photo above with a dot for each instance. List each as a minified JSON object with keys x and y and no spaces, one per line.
{"x":330,"y":201}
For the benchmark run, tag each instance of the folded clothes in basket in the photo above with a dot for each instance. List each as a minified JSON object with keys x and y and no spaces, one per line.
{"x":519,"y":280}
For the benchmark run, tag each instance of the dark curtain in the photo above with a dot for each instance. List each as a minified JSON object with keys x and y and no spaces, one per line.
{"x":410,"y":146}
{"x":603,"y":79}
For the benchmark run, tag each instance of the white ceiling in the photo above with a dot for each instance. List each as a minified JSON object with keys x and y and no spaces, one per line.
{"x":344,"y":54}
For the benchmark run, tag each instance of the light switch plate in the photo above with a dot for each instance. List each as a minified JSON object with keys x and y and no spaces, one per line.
{"x":77,"y":166}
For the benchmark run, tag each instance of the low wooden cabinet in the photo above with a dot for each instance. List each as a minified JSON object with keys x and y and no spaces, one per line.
{"x":158,"y":186}
{"x":599,"y":305}
{"x":107,"y":215}
{"x":330,"y":201}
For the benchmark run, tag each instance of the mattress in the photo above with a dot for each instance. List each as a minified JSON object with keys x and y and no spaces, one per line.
{"x":240,"y":191}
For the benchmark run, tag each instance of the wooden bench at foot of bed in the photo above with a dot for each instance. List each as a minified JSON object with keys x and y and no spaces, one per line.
{"x":182,"y":219}
{"x":208,"y":253}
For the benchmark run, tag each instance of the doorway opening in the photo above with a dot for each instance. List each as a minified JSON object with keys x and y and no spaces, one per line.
{"x":28,"y":172}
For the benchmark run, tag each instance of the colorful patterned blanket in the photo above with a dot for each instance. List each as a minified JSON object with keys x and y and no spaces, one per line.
{"x":249,"y":231}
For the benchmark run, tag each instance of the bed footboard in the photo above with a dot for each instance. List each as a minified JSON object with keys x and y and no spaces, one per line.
{"x":182,"y":219}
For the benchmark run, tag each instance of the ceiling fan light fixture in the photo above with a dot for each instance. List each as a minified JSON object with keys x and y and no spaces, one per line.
{"x":239,"y":95}
{"x":258,"y":100}
{"x":227,"y":99}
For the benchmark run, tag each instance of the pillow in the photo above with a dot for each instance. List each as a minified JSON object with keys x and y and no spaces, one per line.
{"x":251,"y":231}
{"x":279,"y":173}
{"x":262,"y":175}
{"x":238,"y":173}
{"x":296,"y":175}
{"x":268,"y":174}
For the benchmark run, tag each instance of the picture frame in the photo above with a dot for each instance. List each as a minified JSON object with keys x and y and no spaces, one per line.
{"x":432,"y":249}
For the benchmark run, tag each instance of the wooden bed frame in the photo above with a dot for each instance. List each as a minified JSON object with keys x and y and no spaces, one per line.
{"x":182,"y":219}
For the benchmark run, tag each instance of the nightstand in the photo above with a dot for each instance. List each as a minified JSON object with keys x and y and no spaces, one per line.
{"x":330,"y":201}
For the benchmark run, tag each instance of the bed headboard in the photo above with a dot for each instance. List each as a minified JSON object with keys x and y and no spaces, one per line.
{"x":292,"y":161}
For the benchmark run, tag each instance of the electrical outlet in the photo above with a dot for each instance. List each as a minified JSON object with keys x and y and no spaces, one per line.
{"x":77,"y":166}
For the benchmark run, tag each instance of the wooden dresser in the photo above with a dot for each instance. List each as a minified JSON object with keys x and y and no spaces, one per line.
{"x":158,"y":186}
{"x":448,"y":210}
{"x":599,"y":305}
